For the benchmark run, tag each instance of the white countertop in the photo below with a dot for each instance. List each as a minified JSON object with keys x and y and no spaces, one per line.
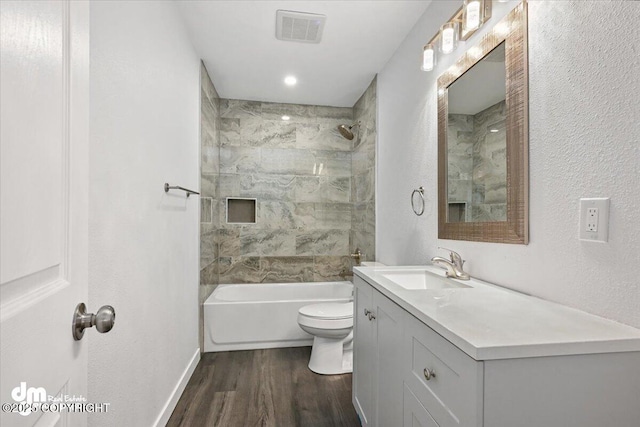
{"x":489,"y":322}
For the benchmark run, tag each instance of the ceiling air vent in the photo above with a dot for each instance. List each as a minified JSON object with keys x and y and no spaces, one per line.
{"x":299,"y":26}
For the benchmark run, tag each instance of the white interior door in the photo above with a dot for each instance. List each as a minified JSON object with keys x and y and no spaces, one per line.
{"x":44,"y":112}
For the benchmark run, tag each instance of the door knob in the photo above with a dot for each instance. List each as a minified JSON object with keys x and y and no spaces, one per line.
{"x":103,"y":320}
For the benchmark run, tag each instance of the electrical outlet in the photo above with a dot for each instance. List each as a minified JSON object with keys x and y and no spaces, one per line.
{"x":594,"y":219}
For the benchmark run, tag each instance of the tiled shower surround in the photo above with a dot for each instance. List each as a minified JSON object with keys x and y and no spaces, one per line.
{"x":308,"y":191}
{"x":477,"y":165}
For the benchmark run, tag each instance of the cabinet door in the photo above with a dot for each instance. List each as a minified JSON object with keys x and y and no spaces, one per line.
{"x":363,"y":352}
{"x":446,"y":381}
{"x":388,"y":329}
{"x":414,"y":413}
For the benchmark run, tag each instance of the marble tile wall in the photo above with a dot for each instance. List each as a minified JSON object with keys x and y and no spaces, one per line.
{"x":489,"y":191}
{"x":460,"y":160}
{"x":363,"y":166}
{"x":209,"y":182}
{"x":299,"y":170}
{"x":315,"y":190}
{"x":477,"y":163}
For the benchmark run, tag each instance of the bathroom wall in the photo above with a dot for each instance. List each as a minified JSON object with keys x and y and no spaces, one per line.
{"x":363,"y":165}
{"x":584,"y":88}
{"x":143,"y":243}
{"x":209,"y":181}
{"x":299,"y":171}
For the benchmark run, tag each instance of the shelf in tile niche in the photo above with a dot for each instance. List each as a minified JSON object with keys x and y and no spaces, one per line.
{"x":241,"y":210}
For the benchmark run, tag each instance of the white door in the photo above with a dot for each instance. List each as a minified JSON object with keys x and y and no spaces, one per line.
{"x":44,"y":113}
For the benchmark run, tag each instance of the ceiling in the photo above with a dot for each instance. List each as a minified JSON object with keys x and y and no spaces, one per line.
{"x":480,"y":87}
{"x":236,"y":40}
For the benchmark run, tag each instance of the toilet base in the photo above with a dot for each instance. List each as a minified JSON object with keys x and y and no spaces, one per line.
{"x":330,"y":356}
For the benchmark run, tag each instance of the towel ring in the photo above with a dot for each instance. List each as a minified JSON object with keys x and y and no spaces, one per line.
{"x":420,"y":191}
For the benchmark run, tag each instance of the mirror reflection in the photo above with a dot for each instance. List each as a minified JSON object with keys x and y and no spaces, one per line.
{"x":477,"y":142}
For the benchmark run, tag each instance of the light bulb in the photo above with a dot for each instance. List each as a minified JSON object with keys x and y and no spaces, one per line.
{"x":449,"y":37}
{"x":472,"y":19}
{"x":447,"y":40}
{"x":290,"y":80}
{"x":285,"y":118}
{"x":428,"y":58}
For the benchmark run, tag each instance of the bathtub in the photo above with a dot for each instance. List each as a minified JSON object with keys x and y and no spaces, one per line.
{"x":264,"y":315}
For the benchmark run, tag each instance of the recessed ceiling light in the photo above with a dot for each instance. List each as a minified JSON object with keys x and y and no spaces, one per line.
{"x":290,"y":80}
{"x":285,"y":118}
{"x":494,"y":130}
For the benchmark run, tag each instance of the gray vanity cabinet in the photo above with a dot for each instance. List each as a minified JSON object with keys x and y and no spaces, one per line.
{"x":443,"y":379}
{"x":363,"y":357}
{"x":392,"y":350}
{"x":377,"y":363}
{"x":406,"y":374}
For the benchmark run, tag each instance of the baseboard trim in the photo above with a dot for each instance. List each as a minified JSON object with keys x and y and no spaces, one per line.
{"x":165,"y":414}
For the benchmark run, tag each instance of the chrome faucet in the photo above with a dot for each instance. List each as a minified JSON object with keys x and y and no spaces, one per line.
{"x":453,"y":265}
{"x":357,"y":256}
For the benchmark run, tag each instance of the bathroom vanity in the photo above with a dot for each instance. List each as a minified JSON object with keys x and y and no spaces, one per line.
{"x":431,"y":351}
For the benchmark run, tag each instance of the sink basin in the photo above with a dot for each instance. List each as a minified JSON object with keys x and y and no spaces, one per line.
{"x":420,"y":280}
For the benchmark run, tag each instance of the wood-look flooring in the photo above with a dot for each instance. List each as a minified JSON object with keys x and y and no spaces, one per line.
{"x":263,"y":388}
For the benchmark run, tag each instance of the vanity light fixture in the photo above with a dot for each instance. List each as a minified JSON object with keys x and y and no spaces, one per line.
{"x":428,"y":57}
{"x":462,"y":25}
{"x":471,"y":19}
{"x":473,"y":15}
{"x":290,"y":80}
{"x":449,"y":37}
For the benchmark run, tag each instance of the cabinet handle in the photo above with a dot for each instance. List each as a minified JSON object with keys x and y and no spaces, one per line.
{"x":366,"y":312}
{"x":428,"y":374}
{"x":371,"y":316}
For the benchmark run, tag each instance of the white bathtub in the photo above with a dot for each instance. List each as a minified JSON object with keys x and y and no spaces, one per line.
{"x":264,"y":315}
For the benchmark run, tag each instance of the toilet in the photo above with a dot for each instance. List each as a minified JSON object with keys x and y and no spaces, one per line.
{"x":331,"y":325}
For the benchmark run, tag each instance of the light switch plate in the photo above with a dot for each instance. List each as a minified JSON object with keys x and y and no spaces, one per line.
{"x":594,"y":219}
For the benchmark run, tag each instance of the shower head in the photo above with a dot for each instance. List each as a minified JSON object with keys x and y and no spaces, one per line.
{"x":346,"y":131}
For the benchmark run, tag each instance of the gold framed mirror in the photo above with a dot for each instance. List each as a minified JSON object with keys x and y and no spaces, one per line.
{"x":483,"y":165}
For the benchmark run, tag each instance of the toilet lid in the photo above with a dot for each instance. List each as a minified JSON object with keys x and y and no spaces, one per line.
{"x":332,"y":310}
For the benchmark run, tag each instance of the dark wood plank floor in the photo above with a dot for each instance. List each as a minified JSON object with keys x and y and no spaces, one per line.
{"x":263,"y":388}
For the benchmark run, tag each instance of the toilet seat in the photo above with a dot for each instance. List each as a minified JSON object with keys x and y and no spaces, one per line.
{"x":328,"y":311}
{"x":327,"y":316}
{"x":326,"y":324}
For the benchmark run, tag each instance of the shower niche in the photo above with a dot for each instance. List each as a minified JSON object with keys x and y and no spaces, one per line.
{"x":241,"y":210}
